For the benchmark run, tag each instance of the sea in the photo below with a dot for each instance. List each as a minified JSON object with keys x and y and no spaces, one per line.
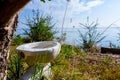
{"x":111,"y":36}
{"x":73,"y":36}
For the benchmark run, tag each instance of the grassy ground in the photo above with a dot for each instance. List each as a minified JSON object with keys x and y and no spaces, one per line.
{"x":72,"y":64}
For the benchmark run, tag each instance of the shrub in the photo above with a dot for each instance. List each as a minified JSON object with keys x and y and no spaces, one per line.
{"x":15,"y":66}
{"x":17,"y":40}
{"x":61,"y":38}
{"x":40,"y":28}
{"x":91,"y":37}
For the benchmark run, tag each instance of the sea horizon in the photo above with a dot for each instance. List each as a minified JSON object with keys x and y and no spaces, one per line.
{"x":72,"y":35}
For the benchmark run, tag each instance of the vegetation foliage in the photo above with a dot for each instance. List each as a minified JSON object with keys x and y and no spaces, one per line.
{"x":40,"y":28}
{"x":18,"y":40}
{"x":44,"y":0}
{"x":72,"y":64}
{"x":91,"y":37}
{"x":15,"y":67}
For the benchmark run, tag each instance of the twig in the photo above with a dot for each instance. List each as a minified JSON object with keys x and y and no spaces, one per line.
{"x":109,"y":26}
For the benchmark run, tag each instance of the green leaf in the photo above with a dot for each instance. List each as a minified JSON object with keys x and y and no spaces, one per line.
{"x":44,"y":0}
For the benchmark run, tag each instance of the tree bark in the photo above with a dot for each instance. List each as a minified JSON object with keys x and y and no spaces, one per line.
{"x":4,"y":48}
{"x":8,"y":8}
{"x":8,"y":21}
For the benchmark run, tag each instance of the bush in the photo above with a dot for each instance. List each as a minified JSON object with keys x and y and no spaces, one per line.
{"x":15,"y":66}
{"x":17,"y":40}
{"x":91,"y":37}
{"x":40,"y":28}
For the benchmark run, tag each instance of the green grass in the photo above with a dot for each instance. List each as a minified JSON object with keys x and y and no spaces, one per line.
{"x":72,"y":64}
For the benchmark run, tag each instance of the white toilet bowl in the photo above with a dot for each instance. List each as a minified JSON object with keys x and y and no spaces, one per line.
{"x":39,"y":52}
{"x":42,"y":52}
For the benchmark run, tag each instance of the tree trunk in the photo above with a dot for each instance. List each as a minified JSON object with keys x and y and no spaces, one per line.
{"x":5,"y":39}
{"x":8,"y":21}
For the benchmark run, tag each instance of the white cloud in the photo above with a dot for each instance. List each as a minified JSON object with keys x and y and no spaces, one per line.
{"x":94,"y":3}
{"x":78,"y":7}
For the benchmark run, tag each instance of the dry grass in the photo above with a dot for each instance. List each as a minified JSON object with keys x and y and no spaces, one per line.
{"x":72,"y":64}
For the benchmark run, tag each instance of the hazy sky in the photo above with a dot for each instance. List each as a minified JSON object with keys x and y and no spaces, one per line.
{"x":106,"y":11}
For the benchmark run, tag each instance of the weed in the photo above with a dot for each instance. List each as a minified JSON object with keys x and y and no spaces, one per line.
{"x":72,"y":64}
{"x":15,"y":66}
{"x":40,"y":28}
{"x":91,"y":37}
{"x":17,"y":40}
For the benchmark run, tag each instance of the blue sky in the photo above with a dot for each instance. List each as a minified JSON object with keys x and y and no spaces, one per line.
{"x":106,"y":11}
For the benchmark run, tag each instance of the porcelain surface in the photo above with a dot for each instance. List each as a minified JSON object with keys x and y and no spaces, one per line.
{"x":42,"y":52}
